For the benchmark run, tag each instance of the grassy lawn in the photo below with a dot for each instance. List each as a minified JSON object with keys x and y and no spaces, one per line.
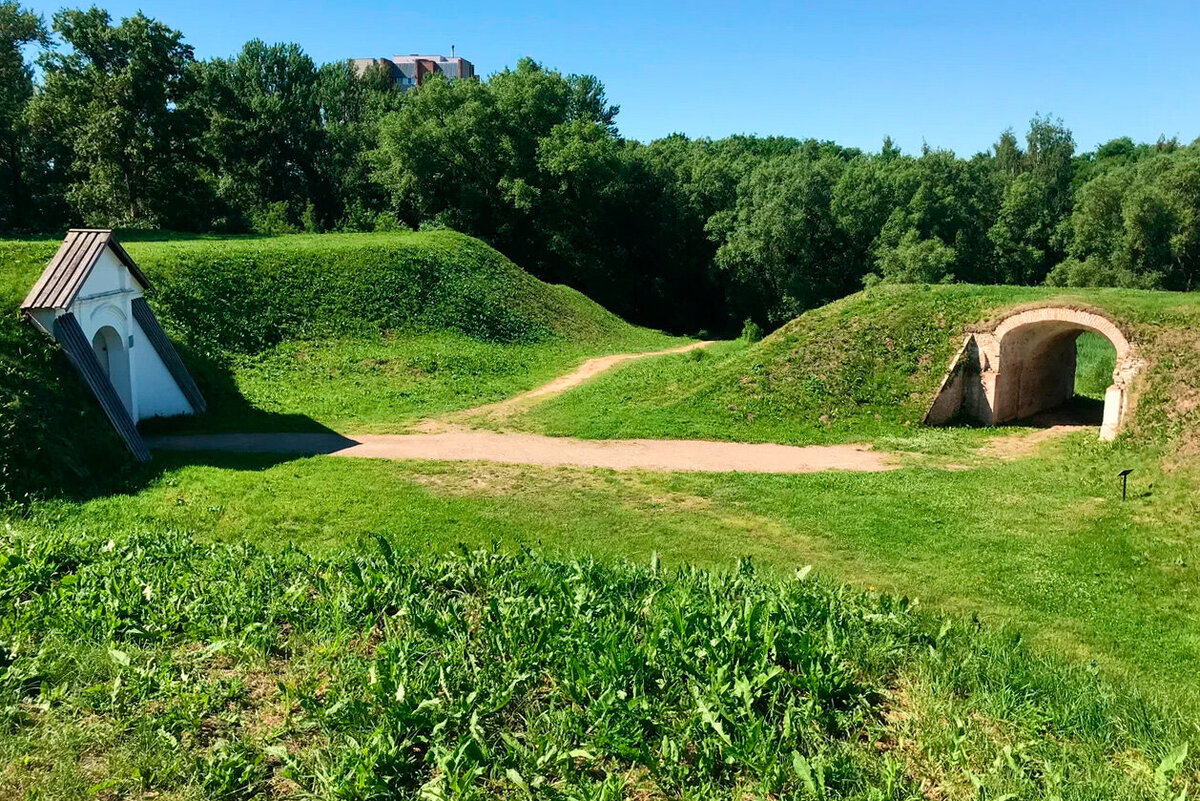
{"x":169,"y":669}
{"x":224,"y":626}
{"x":385,"y":384}
{"x":359,"y":332}
{"x":1041,"y":542}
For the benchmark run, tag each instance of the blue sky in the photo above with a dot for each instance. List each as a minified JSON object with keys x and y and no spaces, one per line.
{"x":952,"y":74}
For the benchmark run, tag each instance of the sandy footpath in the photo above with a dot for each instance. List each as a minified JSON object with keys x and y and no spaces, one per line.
{"x":464,"y":445}
{"x":441,"y":441}
{"x":589,"y":369}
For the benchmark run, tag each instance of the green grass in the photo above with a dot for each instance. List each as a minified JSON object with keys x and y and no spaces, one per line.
{"x":1095,"y":360}
{"x":1041,"y":542}
{"x":244,"y":631}
{"x":360,"y":332}
{"x":864,"y":368}
{"x":153,"y":665}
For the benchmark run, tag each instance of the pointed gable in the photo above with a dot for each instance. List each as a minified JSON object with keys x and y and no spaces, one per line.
{"x":66,"y":273}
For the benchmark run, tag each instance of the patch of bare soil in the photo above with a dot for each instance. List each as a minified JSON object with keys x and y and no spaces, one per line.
{"x":1017,"y":446}
{"x":463,"y":445}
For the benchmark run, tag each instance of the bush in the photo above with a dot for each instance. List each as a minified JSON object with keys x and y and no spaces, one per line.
{"x":751,"y":331}
{"x":274,"y":219}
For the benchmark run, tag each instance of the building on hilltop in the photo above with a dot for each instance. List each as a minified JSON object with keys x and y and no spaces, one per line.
{"x":412,"y":70}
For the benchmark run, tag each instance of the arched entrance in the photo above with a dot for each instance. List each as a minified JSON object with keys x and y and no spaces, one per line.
{"x":114,"y":361}
{"x":1026,"y":365}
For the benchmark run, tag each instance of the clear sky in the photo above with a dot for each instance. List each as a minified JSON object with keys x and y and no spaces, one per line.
{"x":952,"y":74}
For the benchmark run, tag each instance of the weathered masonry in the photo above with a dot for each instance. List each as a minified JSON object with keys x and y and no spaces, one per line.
{"x":1026,"y":364}
{"x":89,"y":300}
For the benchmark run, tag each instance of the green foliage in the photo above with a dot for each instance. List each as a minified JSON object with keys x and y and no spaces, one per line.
{"x":917,"y":261}
{"x":1137,"y":225}
{"x":783,"y":249}
{"x":118,"y":101}
{"x":469,"y":675}
{"x":18,"y":28}
{"x":751,"y":332}
{"x":129,"y":129}
{"x":273,"y":220}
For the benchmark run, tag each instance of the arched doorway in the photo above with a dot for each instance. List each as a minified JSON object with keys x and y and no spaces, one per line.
{"x":1027,"y":365}
{"x":114,"y":361}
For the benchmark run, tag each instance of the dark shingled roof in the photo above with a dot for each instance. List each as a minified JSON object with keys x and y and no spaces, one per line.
{"x":64,"y":275}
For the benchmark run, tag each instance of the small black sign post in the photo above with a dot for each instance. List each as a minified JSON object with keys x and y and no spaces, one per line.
{"x":1124,"y":475}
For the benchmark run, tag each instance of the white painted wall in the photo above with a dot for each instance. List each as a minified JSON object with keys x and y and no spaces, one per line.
{"x":106,"y":298}
{"x":155,"y":389}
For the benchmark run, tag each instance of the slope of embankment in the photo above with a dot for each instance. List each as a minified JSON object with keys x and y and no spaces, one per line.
{"x":868,"y":366}
{"x":235,"y":304}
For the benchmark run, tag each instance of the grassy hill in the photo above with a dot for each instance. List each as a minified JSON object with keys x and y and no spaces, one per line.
{"x":356,"y":331}
{"x":864,"y":368}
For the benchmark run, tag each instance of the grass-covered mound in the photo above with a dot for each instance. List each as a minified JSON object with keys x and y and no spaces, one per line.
{"x":52,"y":433}
{"x":153,"y":664}
{"x":358,"y":330}
{"x":247,"y":294}
{"x":864,"y":367}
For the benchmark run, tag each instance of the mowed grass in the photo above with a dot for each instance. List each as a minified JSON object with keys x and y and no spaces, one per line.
{"x":1095,"y":360}
{"x":356,"y":332}
{"x":229,"y":626}
{"x":369,"y":332}
{"x":1042,"y":541}
{"x":387,"y":383}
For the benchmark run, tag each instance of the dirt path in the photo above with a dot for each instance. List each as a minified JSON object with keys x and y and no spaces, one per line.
{"x":513,"y":448}
{"x":589,"y":369}
{"x":1017,"y":446}
{"x":439,"y":440}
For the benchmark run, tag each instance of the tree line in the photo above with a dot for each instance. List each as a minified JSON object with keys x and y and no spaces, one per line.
{"x":124,"y":127}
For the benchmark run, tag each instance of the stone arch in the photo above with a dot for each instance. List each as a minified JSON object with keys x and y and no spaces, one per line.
{"x":1025,"y":364}
{"x":113,"y":356}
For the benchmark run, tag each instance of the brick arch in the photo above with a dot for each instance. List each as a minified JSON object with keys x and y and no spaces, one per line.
{"x":1063,"y":319}
{"x":1025,"y":363}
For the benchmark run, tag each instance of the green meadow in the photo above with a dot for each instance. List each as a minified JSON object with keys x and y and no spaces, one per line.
{"x":987,"y":620}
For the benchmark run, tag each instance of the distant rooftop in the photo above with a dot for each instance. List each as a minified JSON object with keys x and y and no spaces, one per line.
{"x":413,"y":69}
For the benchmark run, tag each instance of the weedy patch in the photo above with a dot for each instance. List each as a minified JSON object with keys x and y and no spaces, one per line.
{"x":364,"y":675}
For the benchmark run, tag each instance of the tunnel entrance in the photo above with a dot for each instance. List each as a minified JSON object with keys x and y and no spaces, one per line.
{"x":1048,"y":366}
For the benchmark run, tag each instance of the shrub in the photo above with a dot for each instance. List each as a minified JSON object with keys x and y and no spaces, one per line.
{"x":751,"y":331}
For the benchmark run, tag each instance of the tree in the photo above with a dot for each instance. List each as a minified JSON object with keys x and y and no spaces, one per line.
{"x":945,"y":200}
{"x":785,"y":251}
{"x":1137,"y":225}
{"x":1022,"y":232}
{"x":351,"y":109}
{"x":17,"y":28}
{"x":265,"y":136}
{"x":119,"y":101}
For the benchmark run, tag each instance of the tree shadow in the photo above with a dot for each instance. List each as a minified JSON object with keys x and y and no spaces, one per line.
{"x":105,"y":468}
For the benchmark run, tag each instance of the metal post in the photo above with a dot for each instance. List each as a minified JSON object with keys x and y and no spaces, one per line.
{"x":1124,"y":474}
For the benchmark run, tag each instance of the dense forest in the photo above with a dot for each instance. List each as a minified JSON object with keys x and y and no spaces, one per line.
{"x":120,"y":125}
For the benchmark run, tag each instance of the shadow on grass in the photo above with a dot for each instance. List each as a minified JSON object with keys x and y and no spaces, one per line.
{"x":90,"y":462}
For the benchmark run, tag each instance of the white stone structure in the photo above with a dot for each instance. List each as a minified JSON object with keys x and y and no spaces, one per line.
{"x":89,"y":299}
{"x":1025,"y":364}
